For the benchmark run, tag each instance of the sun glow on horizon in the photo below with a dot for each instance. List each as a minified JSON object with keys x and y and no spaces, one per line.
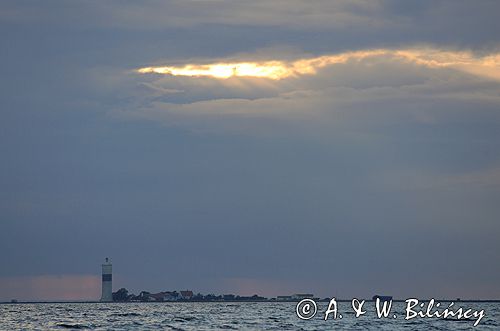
{"x":487,"y":66}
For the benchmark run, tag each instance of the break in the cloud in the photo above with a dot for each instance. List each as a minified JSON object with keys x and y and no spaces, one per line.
{"x":327,"y":91}
{"x":487,"y":66}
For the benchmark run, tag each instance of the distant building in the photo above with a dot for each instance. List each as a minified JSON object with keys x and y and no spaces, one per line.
{"x":186,"y":295}
{"x":166,"y":296}
{"x":156,"y":296}
{"x":170,"y":296}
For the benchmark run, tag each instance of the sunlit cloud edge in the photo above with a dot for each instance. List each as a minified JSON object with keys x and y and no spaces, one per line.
{"x":276,"y":69}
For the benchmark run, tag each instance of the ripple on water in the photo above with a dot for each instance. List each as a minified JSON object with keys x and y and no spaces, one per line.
{"x":75,"y":326}
{"x":209,"y":316}
{"x":125,"y":314}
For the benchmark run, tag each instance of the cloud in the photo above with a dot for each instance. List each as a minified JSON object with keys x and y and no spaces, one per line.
{"x":179,"y":13}
{"x":478,"y":179}
{"x":487,"y":66}
{"x":158,"y":90}
{"x":337,"y":23}
{"x":367,"y":89}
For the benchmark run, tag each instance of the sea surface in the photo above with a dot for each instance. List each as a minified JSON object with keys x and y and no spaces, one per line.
{"x":223,"y":316}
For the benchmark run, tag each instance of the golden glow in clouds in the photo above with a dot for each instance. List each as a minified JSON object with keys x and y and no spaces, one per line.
{"x":488,"y":66}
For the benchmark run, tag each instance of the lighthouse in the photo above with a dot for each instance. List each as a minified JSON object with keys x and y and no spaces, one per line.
{"x":107,"y":288}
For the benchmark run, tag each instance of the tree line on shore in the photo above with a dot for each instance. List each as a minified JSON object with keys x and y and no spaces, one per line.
{"x":123,"y":295}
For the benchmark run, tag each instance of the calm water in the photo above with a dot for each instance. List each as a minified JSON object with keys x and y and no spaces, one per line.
{"x":217,"y":316}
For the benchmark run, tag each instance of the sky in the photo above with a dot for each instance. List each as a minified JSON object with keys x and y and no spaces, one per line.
{"x":341,"y":148}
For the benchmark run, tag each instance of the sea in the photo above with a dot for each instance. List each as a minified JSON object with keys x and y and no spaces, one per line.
{"x":225,"y":316}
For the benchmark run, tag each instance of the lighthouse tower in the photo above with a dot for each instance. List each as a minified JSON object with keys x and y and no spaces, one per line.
{"x":107,"y":288}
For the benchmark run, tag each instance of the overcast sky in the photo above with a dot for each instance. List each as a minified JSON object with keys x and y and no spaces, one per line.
{"x":342,"y":148}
